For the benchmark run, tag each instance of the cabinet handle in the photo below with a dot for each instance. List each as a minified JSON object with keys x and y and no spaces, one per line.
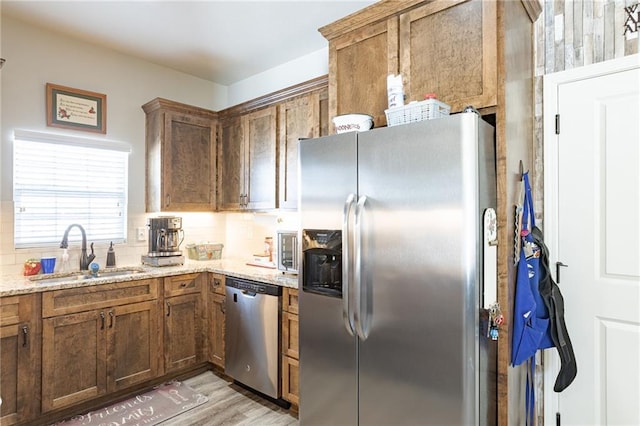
{"x":167,"y":200}
{"x":25,"y":332}
{"x":102,"y":318}
{"x":111,"y":316}
{"x":183,"y":285}
{"x":168,"y":309}
{"x":216,"y":282}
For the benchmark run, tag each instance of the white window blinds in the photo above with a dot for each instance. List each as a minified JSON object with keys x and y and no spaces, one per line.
{"x":60,"y":180}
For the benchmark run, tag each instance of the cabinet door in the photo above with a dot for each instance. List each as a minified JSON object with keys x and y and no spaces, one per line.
{"x":216,"y":327}
{"x":73,"y":358}
{"x":19,"y":361}
{"x":188,"y":163}
{"x":134,"y":346}
{"x":290,"y":335}
{"x":290,"y":380}
{"x":359,"y":63}
{"x":183,"y":337}
{"x":230,"y":165}
{"x":299,"y":118}
{"x":260,"y":159}
{"x":450,"y":48}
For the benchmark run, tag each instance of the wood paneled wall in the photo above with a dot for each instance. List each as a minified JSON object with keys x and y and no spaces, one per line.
{"x":571,"y":34}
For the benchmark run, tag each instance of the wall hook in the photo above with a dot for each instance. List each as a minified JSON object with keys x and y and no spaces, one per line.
{"x":521,"y":168}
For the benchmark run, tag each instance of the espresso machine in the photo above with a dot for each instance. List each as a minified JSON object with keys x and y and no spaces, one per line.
{"x":165,"y":237}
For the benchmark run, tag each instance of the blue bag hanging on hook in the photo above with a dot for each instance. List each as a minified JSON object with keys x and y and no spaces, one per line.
{"x":530,"y":314}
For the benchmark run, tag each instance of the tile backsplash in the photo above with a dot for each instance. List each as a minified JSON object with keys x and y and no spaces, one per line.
{"x":241,"y":233}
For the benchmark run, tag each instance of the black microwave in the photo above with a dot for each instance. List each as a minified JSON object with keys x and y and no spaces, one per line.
{"x":288,"y":251}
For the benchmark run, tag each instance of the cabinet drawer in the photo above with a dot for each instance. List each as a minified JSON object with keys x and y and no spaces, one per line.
{"x":60,"y":302}
{"x":217,"y":283}
{"x":182,"y":284}
{"x":290,"y":335}
{"x":9,"y":310}
{"x":290,"y":300}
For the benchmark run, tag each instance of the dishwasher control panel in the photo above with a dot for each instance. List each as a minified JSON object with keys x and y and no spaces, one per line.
{"x":253,"y":287}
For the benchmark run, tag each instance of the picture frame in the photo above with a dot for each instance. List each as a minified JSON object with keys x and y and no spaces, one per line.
{"x":76,"y":109}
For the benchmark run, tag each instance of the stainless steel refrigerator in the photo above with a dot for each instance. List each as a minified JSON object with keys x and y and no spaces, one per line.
{"x":391,"y":326}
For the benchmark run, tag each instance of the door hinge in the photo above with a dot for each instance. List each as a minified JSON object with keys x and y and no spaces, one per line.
{"x":557,"y":124}
{"x":558,"y":419}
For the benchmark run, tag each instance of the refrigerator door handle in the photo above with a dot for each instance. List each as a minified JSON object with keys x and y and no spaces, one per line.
{"x":362,"y":314}
{"x":347,"y":311}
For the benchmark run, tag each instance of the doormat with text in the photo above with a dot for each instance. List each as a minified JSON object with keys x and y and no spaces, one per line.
{"x":147,"y":409}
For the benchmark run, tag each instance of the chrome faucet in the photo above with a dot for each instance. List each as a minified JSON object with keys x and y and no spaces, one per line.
{"x":84,"y":259}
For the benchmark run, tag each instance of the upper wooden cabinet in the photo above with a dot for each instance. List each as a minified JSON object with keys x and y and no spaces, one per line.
{"x":257,"y":146}
{"x":445,"y":47}
{"x":298,"y":118}
{"x":181,"y":162}
{"x":247,"y":161}
{"x":449,"y":48}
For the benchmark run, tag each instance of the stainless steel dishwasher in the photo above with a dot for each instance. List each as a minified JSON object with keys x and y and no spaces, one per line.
{"x":252,"y":338}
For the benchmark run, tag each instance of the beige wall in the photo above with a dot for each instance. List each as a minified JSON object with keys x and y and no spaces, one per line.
{"x":36,"y":56}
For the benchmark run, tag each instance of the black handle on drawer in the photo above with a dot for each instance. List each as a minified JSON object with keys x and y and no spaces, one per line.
{"x":25,"y":332}
{"x":102,"y":318}
{"x":168,"y":309}
{"x":111,"y":316}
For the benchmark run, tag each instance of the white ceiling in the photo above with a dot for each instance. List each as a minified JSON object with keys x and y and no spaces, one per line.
{"x":219,"y":41}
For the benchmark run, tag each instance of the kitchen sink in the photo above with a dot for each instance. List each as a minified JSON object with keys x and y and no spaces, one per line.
{"x":84,"y":275}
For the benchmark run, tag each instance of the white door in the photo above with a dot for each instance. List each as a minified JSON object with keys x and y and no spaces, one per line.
{"x":592,"y":225}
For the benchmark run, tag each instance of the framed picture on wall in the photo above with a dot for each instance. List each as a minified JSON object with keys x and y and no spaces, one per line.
{"x":76,"y":109}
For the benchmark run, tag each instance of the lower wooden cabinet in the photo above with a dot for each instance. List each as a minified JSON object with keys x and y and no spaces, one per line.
{"x":19,"y":358}
{"x":91,"y":352}
{"x":66,"y":347}
{"x":216,"y":300}
{"x":88,"y":354}
{"x":290,"y":346}
{"x":183,"y":322}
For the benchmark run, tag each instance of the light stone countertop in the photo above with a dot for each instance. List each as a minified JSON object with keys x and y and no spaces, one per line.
{"x":11,"y":285}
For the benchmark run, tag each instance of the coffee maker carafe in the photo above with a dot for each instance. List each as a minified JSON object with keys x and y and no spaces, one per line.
{"x":165,"y":236}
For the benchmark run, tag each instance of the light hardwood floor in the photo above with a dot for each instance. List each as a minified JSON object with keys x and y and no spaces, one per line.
{"x":229,"y":404}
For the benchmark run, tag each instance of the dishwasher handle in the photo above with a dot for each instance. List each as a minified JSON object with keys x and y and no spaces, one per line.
{"x":251,"y":288}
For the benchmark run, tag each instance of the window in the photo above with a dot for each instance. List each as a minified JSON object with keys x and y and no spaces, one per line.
{"x":61,"y":180}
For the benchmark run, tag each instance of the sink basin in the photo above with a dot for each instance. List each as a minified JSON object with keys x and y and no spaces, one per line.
{"x":75,"y":276}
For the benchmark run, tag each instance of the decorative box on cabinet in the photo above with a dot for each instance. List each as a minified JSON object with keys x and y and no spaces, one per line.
{"x":290,"y":346}
{"x":19,"y":358}
{"x":183,"y":321}
{"x":87,"y":336}
{"x":247,"y":161}
{"x":216,"y":318}
{"x":181,"y":157}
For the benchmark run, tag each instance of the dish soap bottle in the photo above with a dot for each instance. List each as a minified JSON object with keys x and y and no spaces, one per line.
{"x":111,"y":256}
{"x":64,"y":267}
